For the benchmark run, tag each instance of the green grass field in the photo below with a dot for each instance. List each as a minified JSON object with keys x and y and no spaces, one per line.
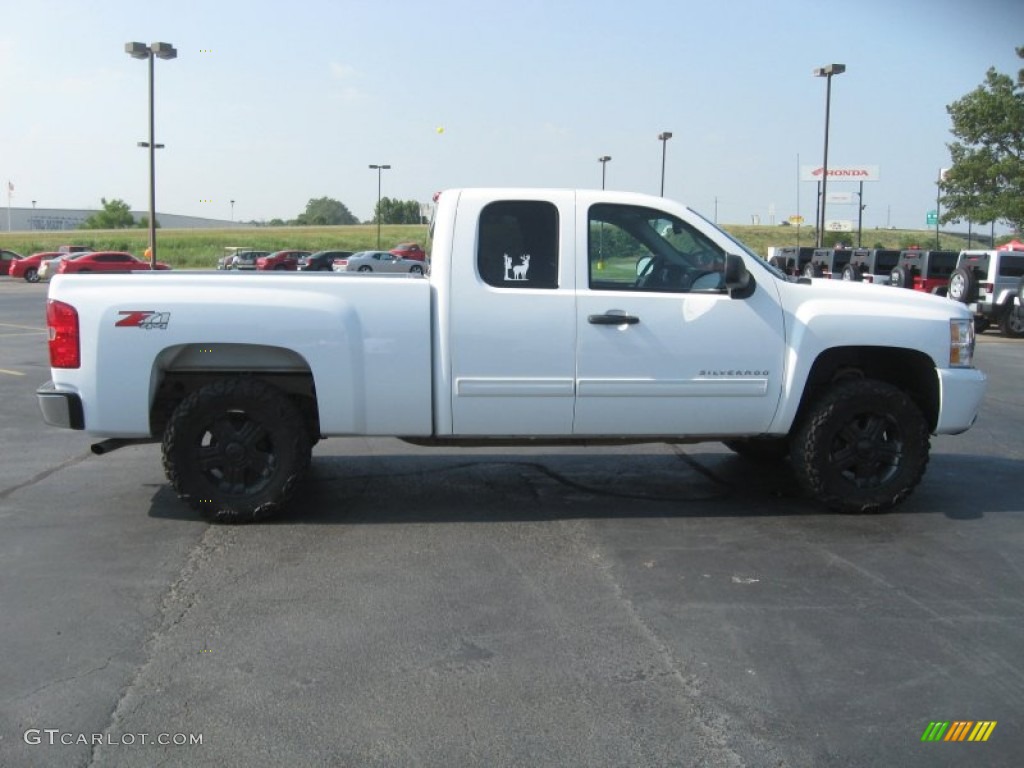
{"x":200,"y":248}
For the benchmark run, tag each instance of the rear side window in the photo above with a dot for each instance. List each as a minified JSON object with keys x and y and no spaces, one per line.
{"x":517,"y":244}
{"x":1011,"y":266}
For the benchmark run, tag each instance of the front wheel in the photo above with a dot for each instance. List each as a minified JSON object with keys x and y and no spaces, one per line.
{"x":236,"y":449}
{"x":31,"y":275}
{"x":862,"y":447}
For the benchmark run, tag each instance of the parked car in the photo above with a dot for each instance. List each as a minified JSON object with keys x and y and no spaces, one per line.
{"x":378,"y":261}
{"x":926,"y":271}
{"x":74,"y":248}
{"x":225,"y":261}
{"x":28,"y":267}
{"x":871,"y":265}
{"x":247,"y":259}
{"x":792,"y":259}
{"x":105,"y":261}
{"x":48,"y":267}
{"x":410,"y":251}
{"x":7,"y":258}
{"x":827,"y":262}
{"x":321,"y":261}
{"x":990,"y":282}
{"x":279,"y":260}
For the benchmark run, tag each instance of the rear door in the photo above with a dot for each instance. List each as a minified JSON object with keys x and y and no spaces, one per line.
{"x":662,"y":349}
{"x":513,"y":325}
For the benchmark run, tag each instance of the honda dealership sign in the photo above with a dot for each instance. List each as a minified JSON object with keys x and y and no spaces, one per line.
{"x":840,"y":173}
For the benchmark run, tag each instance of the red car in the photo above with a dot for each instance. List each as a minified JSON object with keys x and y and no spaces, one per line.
{"x":105,"y":261}
{"x":409,"y":251}
{"x":279,"y":260}
{"x":28,"y":267}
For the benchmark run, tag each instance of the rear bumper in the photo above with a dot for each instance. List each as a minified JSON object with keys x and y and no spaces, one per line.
{"x":60,"y":409}
{"x":961,"y":391}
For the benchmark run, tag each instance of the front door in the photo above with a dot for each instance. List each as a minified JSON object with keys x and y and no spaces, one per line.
{"x":662,"y":349}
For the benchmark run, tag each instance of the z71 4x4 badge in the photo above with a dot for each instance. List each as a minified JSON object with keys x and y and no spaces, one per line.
{"x":143,"y":319}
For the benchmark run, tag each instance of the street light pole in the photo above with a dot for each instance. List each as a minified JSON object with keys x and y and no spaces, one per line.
{"x":663,"y":137}
{"x":603,"y":160}
{"x":232,"y":211}
{"x":143,"y":51}
{"x":380,"y":169}
{"x":827,"y":72}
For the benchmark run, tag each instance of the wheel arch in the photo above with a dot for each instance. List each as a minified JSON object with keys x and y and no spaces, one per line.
{"x":182,"y":369}
{"x":908,"y":369}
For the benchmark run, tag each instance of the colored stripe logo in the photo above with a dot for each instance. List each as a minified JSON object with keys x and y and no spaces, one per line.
{"x":959,"y":730}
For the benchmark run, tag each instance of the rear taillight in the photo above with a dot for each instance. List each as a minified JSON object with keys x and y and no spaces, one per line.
{"x":62,"y":322}
{"x":341,"y":262}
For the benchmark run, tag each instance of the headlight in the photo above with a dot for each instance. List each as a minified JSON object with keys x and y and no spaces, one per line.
{"x":961,"y":343}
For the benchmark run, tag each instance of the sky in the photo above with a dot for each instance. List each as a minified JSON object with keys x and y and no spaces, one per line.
{"x":271,"y":104}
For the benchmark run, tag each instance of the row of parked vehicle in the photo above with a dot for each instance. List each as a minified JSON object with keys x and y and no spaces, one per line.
{"x":991,"y":282}
{"x":70,"y":259}
{"x":404,"y":257}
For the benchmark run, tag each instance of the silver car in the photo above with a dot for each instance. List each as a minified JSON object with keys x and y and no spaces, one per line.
{"x":48,"y":268}
{"x":378,"y":261}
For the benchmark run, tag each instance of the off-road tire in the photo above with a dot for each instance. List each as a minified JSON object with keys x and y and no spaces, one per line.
{"x":981,"y":324}
{"x":861,"y":447}
{"x":814,"y":270}
{"x":760,"y":449}
{"x":1011,"y":322}
{"x":900,"y":277}
{"x":235,"y":450}
{"x":963,"y":286}
{"x":851,"y":274}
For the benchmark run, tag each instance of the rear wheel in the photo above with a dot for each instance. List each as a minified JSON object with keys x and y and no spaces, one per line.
{"x":31,"y":275}
{"x":1011,"y":323}
{"x":981,"y":324}
{"x":365,"y":268}
{"x":862,"y":447}
{"x":416,"y":269}
{"x":853,"y":274}
{"x":236,"y":449}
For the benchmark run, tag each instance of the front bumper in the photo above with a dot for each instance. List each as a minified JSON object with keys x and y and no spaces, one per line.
{"x":60,"y":409}
{"x":960,"y":391}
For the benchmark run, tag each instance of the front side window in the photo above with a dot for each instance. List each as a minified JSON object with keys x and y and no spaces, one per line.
{"x":631,"y":248}
{"x":517,"y":244}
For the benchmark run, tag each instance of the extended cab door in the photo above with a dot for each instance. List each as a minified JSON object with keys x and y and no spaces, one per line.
{"x":663,"y":349}
{"x":512,"y":322}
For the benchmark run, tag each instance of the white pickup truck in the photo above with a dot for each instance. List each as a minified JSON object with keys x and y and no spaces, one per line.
{"x":548,"y":315}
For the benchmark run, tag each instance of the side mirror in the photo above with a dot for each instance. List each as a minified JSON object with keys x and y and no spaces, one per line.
{"x":738,"y":280}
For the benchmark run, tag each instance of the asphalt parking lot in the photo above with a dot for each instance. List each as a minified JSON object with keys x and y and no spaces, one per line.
{"x":647,"y":606}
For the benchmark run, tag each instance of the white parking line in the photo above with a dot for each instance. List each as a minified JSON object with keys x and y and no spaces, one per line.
{"x":22,"y":327}
{"x":11,"y":373}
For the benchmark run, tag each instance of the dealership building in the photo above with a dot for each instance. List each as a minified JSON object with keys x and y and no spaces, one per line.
{"x":56,"y":219}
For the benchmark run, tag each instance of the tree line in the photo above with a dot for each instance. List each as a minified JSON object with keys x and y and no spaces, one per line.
{"x":320,"y":211}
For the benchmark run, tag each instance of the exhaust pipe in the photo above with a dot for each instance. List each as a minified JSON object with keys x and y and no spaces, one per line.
{"x":113,"y":443}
